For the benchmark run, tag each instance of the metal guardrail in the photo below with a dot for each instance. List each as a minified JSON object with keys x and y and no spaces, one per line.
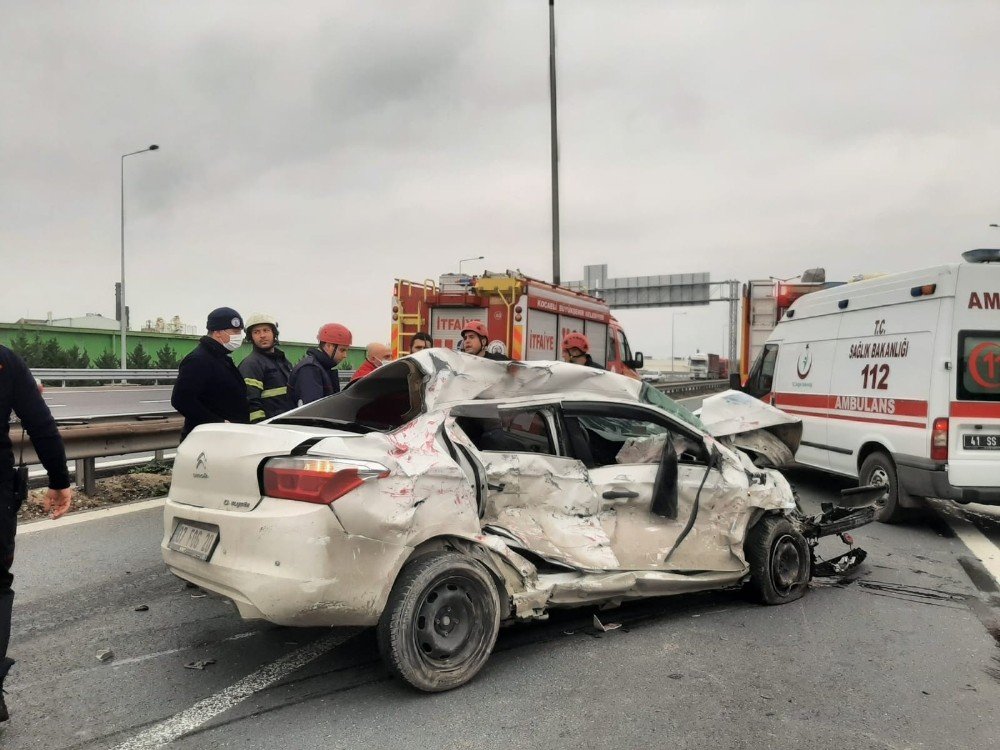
{"x":87,"y":441}
{"x":51,"y":375}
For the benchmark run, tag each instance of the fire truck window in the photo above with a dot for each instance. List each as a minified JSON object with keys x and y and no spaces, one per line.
{"x":761,"y":379}
{"x":626,"y":349}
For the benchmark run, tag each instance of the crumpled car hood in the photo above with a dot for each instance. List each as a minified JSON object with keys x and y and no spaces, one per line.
{"x":752,"y":425}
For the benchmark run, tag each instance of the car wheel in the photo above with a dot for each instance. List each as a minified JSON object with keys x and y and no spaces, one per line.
{"x":879,"y":469}
{"x":779,"y":561}
{"x":440,"y":623}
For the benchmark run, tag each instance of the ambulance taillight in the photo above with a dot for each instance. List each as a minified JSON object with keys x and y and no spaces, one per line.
{"x":939,"y":440}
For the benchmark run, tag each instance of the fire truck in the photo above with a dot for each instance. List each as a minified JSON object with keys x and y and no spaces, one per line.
{"x":764,"y":302}
{"x":526,"y":318}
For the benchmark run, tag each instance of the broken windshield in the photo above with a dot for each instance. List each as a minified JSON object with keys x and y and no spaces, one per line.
{"x":654,"y":396}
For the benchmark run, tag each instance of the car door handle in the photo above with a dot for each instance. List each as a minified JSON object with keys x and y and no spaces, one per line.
{"x":619,"y":494}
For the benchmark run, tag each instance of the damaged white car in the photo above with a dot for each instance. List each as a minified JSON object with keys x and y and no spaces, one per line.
{"x":445,"y":494}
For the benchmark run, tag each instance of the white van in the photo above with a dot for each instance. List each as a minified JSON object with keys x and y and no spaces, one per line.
{"x":897,"y":381}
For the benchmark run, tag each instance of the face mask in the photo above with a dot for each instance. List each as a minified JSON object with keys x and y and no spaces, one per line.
{"x":235,"y":342}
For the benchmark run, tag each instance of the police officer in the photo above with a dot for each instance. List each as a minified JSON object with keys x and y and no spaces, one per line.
{"x":474,"y":340}
{"x":315,"y":375}
{"x":265,"y":370}
{"x":209,"y":388}
{"x":19,"y":392}
{"x":576,"y":349}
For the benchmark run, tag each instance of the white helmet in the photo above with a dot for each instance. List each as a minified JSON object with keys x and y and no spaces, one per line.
{"x":258,"y":319}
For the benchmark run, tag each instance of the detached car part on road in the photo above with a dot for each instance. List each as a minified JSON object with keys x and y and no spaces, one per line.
{"x":445,"y":494}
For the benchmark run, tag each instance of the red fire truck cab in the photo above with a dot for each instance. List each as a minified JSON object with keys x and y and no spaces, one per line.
{"x":526,"y":318}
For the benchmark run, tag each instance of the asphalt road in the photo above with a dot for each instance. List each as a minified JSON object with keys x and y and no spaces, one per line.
{"x":68,"y":403}
{"x":905,"y":656}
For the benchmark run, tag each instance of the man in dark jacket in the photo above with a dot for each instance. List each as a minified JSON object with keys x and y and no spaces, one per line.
{"x":19,"y":392}
{"x":315,"y":376}
{"x":576,"y":349}
{"x":265,"y":370}
{"x":209,"y":388}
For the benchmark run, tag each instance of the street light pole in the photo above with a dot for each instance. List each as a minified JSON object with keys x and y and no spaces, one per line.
{"x":466,"y":260}
{"x":121,"y":296}
{"x":673,"y":317}
{"x":553,"y":126}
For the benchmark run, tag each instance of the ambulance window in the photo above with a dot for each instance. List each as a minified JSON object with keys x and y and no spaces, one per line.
{"x":978,"y":377}
{"x":761,"y":379}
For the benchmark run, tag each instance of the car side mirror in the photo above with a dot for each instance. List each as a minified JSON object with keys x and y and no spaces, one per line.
{"x":665,"y":487}
{"x":734,"y":381}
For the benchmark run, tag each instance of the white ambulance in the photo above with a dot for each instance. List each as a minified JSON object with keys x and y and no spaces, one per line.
{"x":897,"y":381}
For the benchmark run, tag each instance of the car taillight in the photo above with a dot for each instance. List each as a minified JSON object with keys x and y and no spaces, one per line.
{"x":939,"y":440}
{"x":317,"y":480}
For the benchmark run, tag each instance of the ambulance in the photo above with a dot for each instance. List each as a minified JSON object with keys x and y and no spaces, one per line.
{"x":527,"y":319}
{"x":897,"y":381}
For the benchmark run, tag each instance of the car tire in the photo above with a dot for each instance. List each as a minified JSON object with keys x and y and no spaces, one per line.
{"x":780,"y":561}
{"x":878,"y":468}
{"x":440,"y":622}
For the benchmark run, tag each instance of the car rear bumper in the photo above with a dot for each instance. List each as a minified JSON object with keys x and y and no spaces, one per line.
{"x":290,"y":563}
{"x":922,"y":477}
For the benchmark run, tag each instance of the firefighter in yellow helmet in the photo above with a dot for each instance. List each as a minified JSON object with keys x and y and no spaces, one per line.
{"x":265,"y":370}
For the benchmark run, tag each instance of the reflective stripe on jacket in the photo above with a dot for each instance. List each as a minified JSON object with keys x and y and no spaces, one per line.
{"x":266,"y":377}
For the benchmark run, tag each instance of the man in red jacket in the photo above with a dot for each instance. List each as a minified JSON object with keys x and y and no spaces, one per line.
{"x":376,"y":355}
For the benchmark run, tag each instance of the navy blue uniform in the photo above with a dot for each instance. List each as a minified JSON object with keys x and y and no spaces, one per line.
{"x":313,"y":378}
{"x":19,"y":393}
{"x":209,"y":388}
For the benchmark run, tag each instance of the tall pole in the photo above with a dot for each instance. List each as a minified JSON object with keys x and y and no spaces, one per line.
{"x":121,"y":297}
{"x":555,"y":143}
{"x":673,"y":317}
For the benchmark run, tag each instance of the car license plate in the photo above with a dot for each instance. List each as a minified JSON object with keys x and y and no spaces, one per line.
{"x":194,"y":539}
{"x":981,"y":442}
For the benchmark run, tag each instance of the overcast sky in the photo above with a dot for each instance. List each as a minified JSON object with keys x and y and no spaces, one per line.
{"x":311,"y":152}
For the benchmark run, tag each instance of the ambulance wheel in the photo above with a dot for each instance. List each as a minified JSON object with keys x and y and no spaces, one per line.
{"x":440,"y":623}
{"x":779,"y":559}
{"x":879,"y":469}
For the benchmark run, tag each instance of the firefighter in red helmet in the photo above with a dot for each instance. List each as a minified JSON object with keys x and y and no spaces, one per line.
{"x":576,"y":349}
{"x":475,"y":337}
{"x":316,"y":376}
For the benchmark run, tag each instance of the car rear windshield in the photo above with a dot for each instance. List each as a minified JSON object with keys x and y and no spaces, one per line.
{"x":656,"y":397}
{"x":978,"y":366}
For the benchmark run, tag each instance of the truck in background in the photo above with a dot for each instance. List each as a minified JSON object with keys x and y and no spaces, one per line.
{"x":705,"y":366}
{"x":526,"y":318}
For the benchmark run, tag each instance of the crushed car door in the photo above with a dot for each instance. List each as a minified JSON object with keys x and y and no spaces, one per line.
{"x":540,"y":502}
{"x":623,"y":448}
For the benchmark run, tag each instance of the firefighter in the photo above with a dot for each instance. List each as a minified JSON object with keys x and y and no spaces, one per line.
{"x":315,"y":375}
{"x":576,"y":349}
{"x":209,"y":386}
{"x":265,"y":370}
{"x":474,"y":340}
{"x":376,"y":355}
{"x":420,"y":341}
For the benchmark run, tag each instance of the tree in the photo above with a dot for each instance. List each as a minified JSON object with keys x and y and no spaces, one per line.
{"x":76,"y":359}
{"x":166,"y":358}
{"x":139,"y":359}
{"x":107,"y":361}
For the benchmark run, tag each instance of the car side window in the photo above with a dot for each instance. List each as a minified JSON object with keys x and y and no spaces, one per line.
{"x":524,"y":430}
{"x":606,"y":441}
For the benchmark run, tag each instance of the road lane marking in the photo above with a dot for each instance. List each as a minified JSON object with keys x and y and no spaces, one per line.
{"x":160,"y":401}
{"x":205,"y":710}
{"x":92,"y":515}
{"x":978,"y":544}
